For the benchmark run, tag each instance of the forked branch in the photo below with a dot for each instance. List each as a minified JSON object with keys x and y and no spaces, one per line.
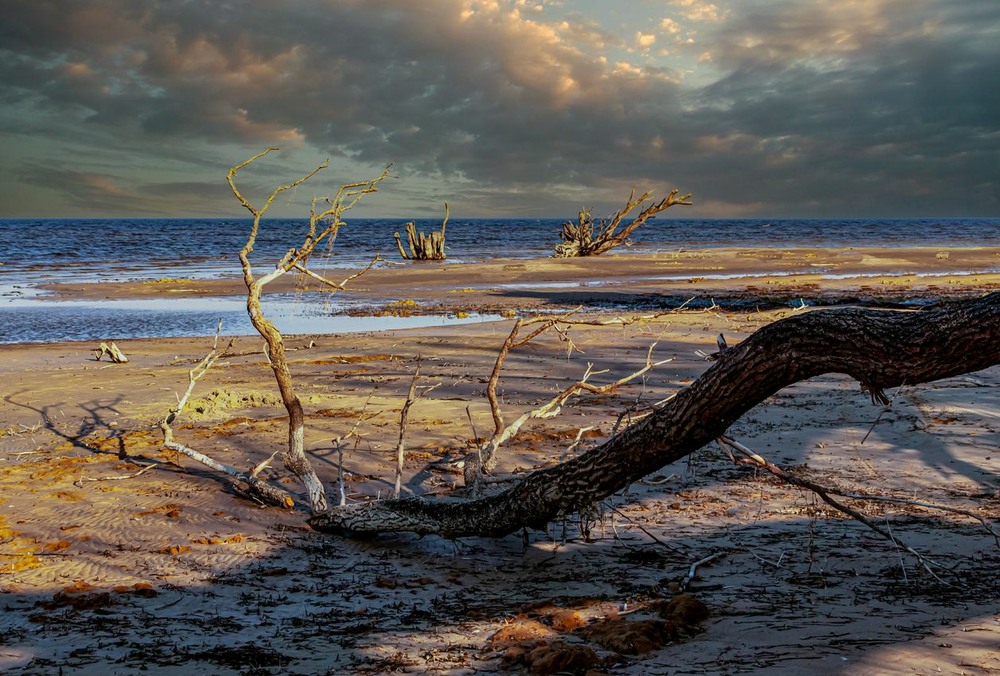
{"x":255,"y":487}
{"x":484,"y":459}
{"x":323,"y":226}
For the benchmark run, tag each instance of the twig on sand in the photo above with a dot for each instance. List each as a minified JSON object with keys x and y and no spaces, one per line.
{"x":693,"y":570}
{"x":826,"y":494}
{"x":119,"y":477}
{"x":672,"y":548}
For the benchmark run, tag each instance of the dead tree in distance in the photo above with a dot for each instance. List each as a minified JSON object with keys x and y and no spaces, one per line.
{"x":423,"y":247}
{"x":589,"y":238}
{"x":879,"y":348}
{"x":323,"y":226}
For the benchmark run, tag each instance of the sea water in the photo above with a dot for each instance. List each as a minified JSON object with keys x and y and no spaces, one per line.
{"x":35,"y":251}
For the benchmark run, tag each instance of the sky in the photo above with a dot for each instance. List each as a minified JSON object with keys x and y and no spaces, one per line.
{"x":504,"y":108}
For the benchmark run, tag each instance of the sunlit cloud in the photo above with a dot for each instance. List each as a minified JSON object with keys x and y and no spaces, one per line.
{"x":543,"y":100}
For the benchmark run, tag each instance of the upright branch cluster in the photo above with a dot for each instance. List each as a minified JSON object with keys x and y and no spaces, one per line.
{"x":324,"y":223}
{"x":587,"y":237}
{"x":484,"y":459}
{"x":423,"y":247}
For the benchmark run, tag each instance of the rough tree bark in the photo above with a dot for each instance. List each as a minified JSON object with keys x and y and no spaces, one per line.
{"x":323,"y":226}
{"x":879,"y":348}
{"x":579,"y":239}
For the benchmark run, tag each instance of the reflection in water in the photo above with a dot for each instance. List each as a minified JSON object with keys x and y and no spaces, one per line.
{"x":28,"y":320}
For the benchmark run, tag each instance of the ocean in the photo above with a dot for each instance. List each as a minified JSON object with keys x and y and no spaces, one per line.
{"x":35,"y":251}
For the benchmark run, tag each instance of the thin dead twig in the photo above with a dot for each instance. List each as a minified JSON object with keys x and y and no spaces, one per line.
{"x":672,"y":548}
{"x":885,"y":409}
{"x":120,"y":477}
{"x":338,"y":443}
{"x":925,"y":505}
{"x":411,"y":396}
{"x":826,"y":494}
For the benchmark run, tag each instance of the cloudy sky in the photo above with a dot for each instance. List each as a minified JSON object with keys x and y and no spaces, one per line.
{"x":761,"y":108}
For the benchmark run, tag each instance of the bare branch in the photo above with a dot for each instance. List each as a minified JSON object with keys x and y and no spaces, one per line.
{"x":294,"y":457}
{"x":484,"y":459}
{"x":410,"y":396}
{"x":338,"y":443}
{"x":260,"y":489}
{"x":825,"y":494}
{"x":119,"y":477}
{"x":579,"y":239}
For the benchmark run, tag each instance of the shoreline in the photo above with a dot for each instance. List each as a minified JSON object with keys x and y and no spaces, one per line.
{"x":615,"y":266}
{"x":94,"y":546}
{"x":394,"y":296}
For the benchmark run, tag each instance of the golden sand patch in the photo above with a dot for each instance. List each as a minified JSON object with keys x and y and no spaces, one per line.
{"x":18,"y":553}
{"x":221,"y":400}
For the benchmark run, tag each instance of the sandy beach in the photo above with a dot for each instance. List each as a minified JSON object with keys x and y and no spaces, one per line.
{"x":117,"y":556}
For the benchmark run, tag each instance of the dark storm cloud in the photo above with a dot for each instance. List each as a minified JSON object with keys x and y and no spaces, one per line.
{"x":824,"y":108}
{"x":893,"y":100}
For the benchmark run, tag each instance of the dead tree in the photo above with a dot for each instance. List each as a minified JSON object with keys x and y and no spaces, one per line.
{"x":323,"y":226}
{"x":879,"y":348}
{"x":113,"y":351}
{"x":429,"y":247}
{"x":589,"y":238}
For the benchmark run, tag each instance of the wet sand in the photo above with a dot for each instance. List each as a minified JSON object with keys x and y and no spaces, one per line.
{"x":105,"y":570}
{"x":534,"y":283}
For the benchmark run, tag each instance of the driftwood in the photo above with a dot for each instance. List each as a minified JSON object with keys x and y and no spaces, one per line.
{"x":324,"y":224}
{"x":255,"y":487}
{"x":879,"y":348}
{"x":113,"y":351}
{"x":484,"y":458}
{"x":423,"y":247}
{"x":580,"y":238}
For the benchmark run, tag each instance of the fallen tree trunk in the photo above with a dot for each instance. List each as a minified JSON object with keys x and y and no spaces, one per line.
{"x":879,"y":348}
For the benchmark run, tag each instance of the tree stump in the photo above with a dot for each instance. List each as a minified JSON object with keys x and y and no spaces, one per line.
{"x":423,"y":247}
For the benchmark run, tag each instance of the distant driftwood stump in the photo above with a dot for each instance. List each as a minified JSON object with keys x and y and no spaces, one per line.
{"x":423,"y":247}
{"x":114,"y":353}
{"x":588,"y":237}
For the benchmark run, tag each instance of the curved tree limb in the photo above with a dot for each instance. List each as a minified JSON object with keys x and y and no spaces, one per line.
{"x":348,"y":195}
{"x":879,"y":348}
